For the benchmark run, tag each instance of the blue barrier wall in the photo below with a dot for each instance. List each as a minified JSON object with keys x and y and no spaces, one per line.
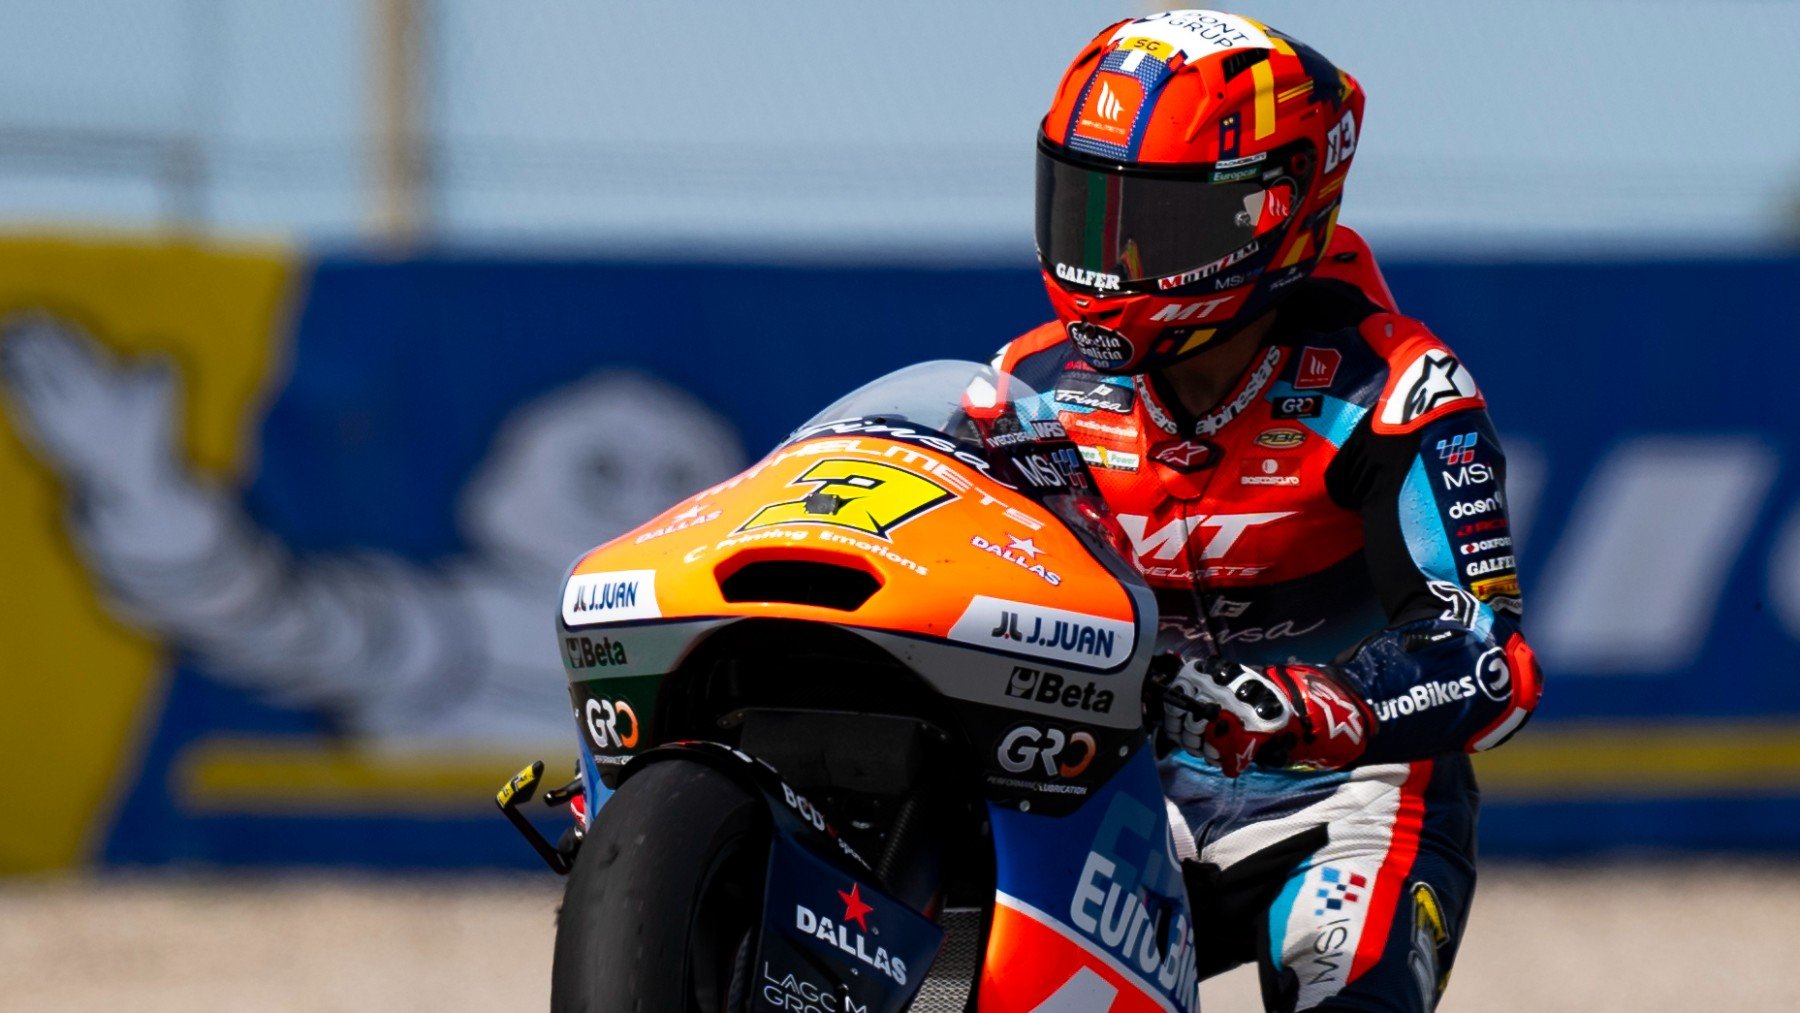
{"x":1644,"y":405}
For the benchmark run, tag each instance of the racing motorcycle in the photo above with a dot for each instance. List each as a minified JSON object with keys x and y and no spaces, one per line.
{"x":863,"y":729}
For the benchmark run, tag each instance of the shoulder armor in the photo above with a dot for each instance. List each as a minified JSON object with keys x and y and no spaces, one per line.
{"x":1038,"y":339}
{"x":1425,"y":382}
{"x":1038,"y":356}
{"x":1348,"y":259}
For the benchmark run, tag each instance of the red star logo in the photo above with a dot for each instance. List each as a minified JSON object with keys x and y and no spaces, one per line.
{"x":1187,"y":455}
{"x":1341,"y":717}
{"x":854,"y":908}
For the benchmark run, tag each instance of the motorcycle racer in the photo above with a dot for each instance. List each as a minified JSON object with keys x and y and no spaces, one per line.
{"x":1309,"y":480}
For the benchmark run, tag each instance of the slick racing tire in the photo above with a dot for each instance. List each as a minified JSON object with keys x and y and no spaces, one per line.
{"x":660,"y":912}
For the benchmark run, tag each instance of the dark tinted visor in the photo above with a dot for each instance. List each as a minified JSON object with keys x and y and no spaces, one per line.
{"x":1105,"y":227}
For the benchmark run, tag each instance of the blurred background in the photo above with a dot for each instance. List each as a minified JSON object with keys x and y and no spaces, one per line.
{"x":355,"y":321}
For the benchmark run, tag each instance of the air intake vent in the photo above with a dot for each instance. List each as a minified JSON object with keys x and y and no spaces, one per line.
{"x":1242,"y":60}
{"x":798,"y":582}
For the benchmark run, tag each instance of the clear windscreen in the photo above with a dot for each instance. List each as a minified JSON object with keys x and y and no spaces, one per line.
{"x":993,"y":422}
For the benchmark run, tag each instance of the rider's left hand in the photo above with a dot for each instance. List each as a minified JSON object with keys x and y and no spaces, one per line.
{"x":1236,"y":715}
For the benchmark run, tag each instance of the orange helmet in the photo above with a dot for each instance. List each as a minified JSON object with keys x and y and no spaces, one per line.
{"x":1189,"y":171}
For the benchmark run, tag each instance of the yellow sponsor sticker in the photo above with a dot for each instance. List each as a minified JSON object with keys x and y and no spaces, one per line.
{"x":521,"y":781}
{"x":1281,"y":438}
{"x":1155,"y":47}
{"x":1492,"y":587}
{"x":867,"y":496}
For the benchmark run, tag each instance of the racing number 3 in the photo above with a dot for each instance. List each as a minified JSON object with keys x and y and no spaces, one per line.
{"x":865,"y":496}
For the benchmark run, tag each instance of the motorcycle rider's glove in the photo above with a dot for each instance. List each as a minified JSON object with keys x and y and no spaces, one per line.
{"x":1282,"y":715}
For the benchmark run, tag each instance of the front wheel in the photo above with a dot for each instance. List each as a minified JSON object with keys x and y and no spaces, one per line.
{"x":661,"y":910}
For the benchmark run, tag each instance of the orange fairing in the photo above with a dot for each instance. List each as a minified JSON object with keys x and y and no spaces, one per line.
{"x":948,"y":547}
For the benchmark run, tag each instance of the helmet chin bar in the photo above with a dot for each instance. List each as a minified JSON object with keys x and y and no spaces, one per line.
{"x":1143,"y":333}
{"x":1105,"y":349}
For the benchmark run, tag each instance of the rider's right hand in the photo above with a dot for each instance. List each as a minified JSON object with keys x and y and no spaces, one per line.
{"x":1236,"y":715}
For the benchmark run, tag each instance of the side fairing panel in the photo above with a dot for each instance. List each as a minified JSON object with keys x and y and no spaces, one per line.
{"x":1090,"y":909}
{"x":615,"y":681}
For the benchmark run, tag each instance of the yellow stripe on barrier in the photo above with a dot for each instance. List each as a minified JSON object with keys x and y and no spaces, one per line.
{"x":1560,"y":763}
{"x":270,"y":776}
{"x":1565,"y":762}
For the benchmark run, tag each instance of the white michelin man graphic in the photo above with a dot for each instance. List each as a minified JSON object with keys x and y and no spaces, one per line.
{"x":398,"y":654}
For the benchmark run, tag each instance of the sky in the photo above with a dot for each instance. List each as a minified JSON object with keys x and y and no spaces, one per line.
{"x":808,"y":129}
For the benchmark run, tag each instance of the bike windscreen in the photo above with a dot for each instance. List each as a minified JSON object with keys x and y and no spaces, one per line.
{"x":993,"y":422}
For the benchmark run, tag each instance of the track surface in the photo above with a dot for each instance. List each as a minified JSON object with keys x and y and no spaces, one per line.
{"x":1622,"y":937}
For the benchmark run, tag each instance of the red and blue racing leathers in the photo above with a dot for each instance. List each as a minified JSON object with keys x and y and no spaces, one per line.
{"x":1344,"y":504}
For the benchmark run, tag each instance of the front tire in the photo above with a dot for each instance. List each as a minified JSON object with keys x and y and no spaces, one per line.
{"x":662,"y":906}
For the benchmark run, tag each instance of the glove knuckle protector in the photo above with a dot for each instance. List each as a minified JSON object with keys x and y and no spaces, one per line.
{"x":1234,"y":715}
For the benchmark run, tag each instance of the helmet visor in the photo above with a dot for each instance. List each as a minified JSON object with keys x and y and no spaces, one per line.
{"x":1110,"y":228}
